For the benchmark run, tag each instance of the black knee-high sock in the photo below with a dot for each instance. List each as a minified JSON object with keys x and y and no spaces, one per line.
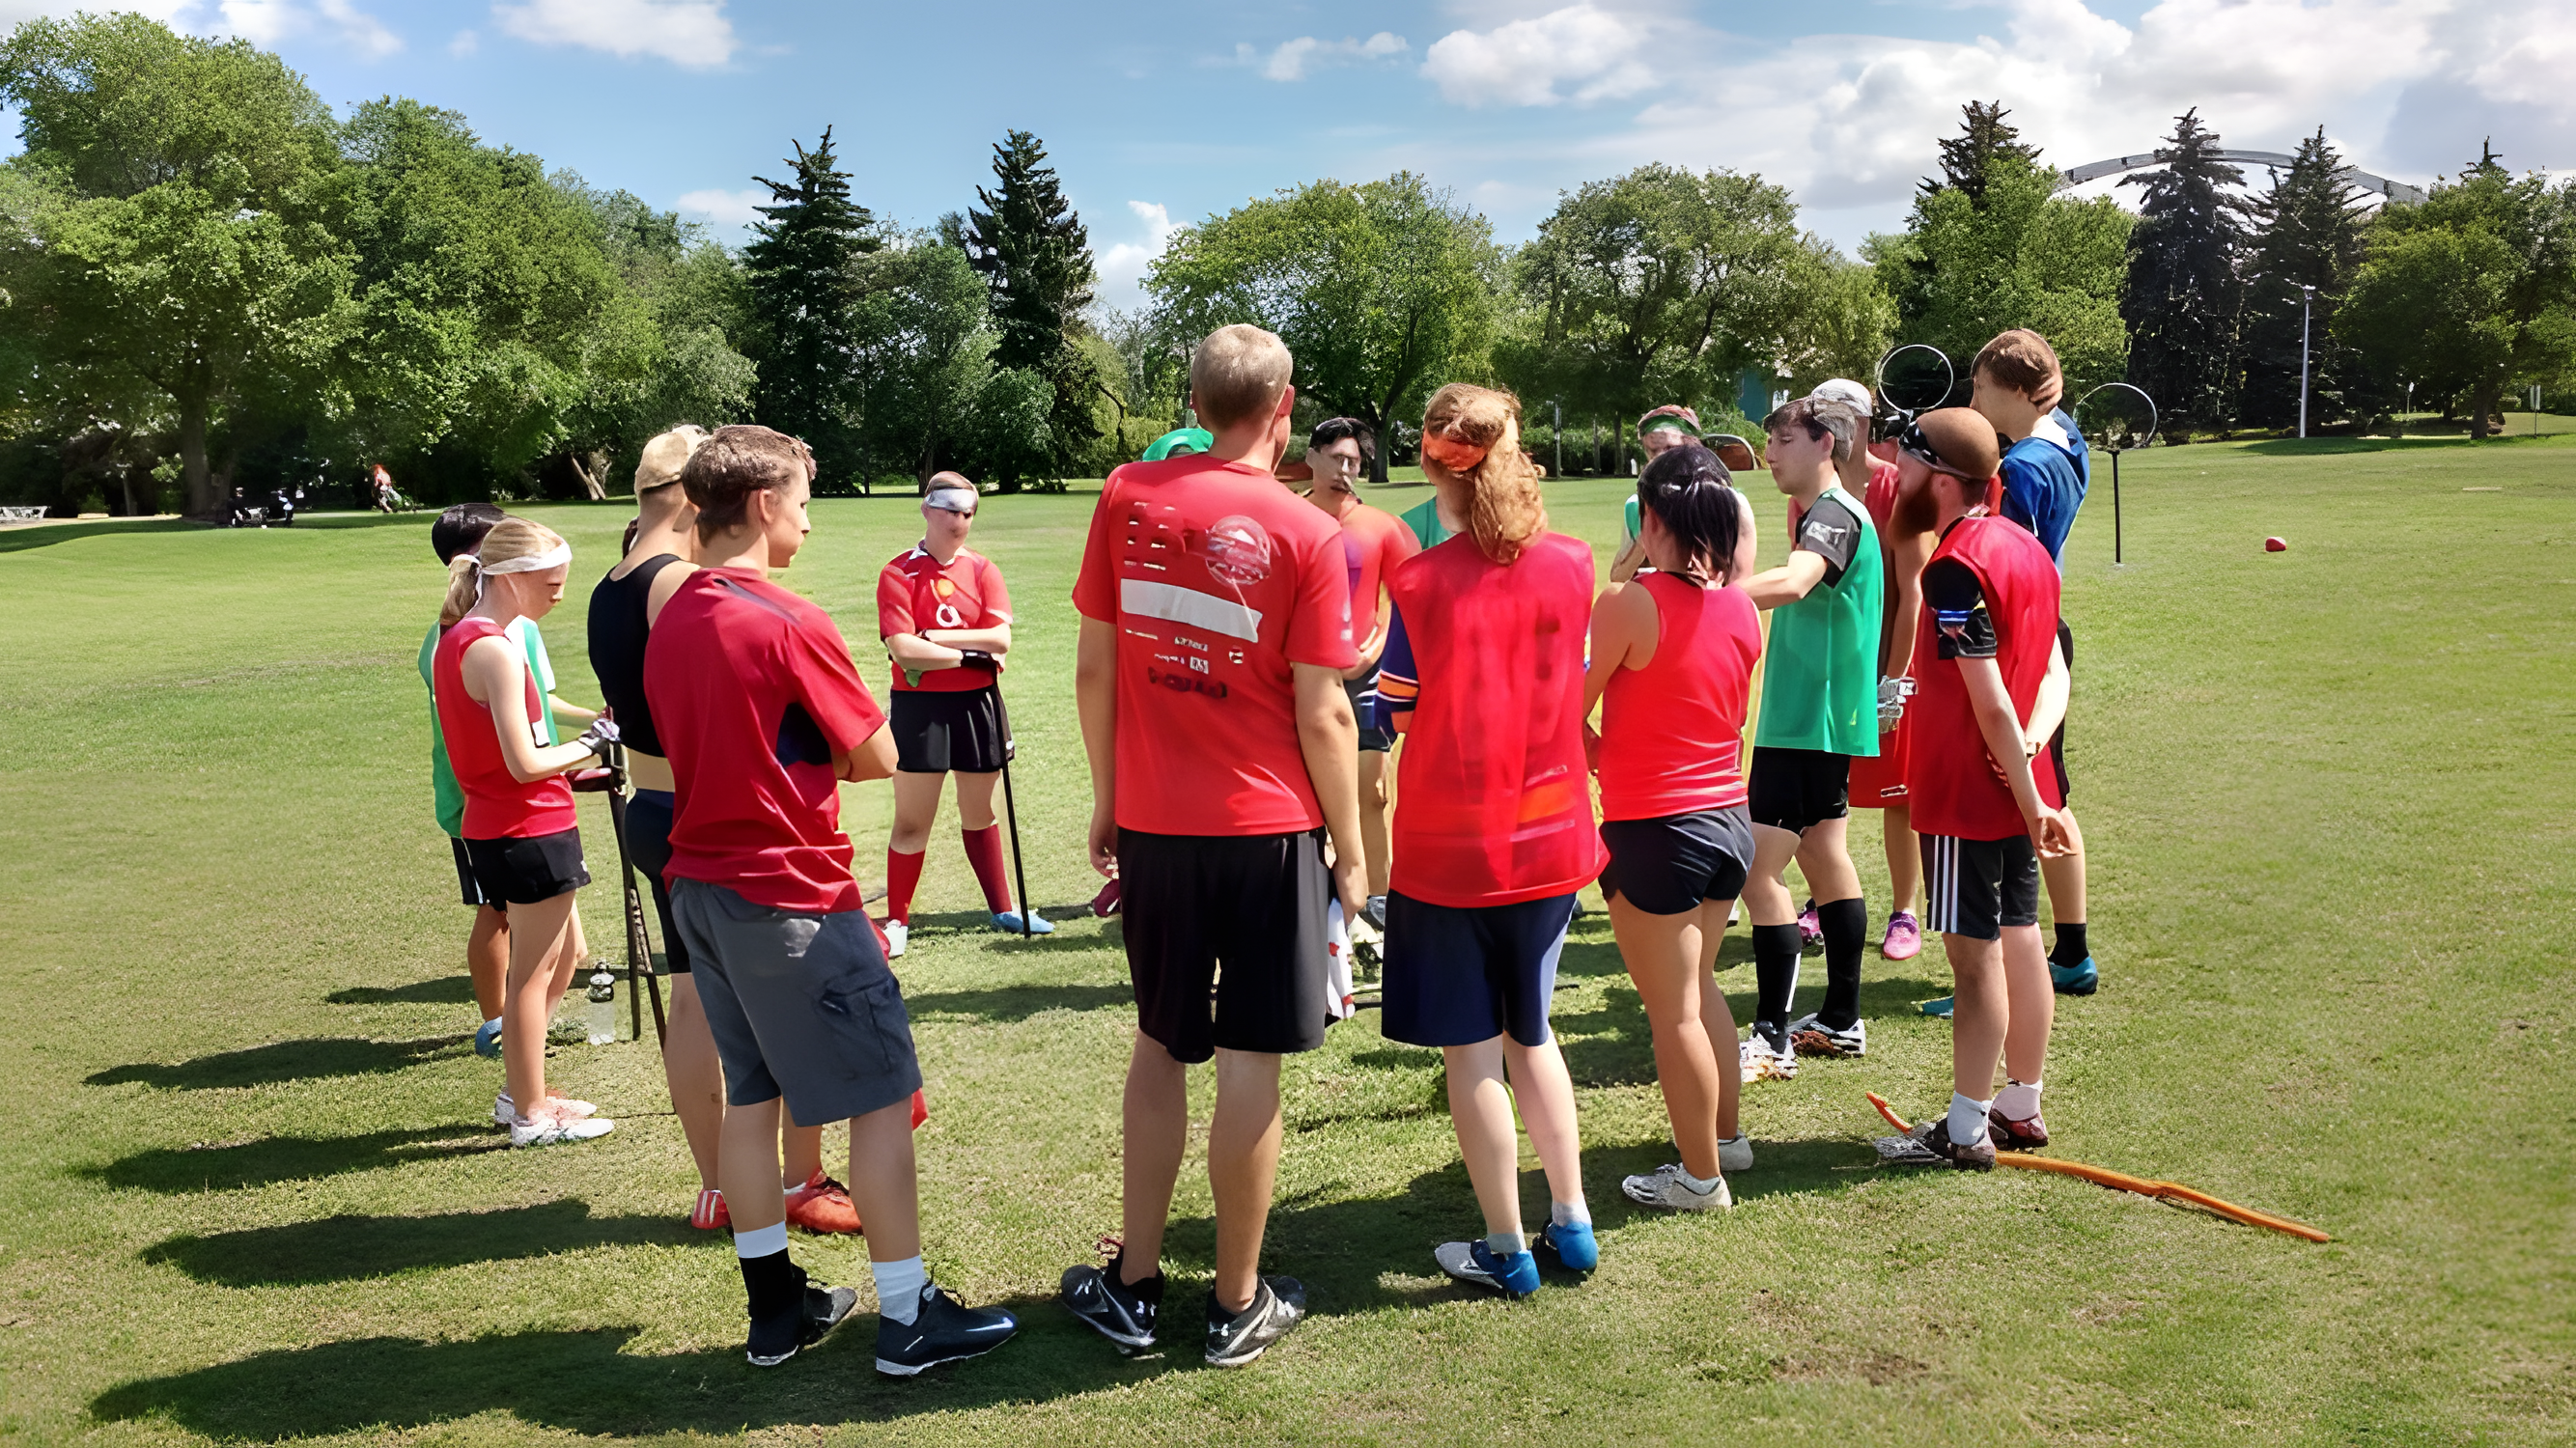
{"x":1846,"y":926}
{"x":2070,"y":949}
{"x":1775,"y":974}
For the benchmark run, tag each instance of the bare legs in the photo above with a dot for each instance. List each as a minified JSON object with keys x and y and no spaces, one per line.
{"x":1904,"y":858}
{"x":2004,"y":1008}
{"x":545,"y":941}
{"x":1823,"y":856}
{"x":1374,"y":841}
{"x":2065,"y":877}
{"x":487,"y":959}
{"x":1672,"y":960}
{"x":883,"y":1182}
{"x":1480,"y":1107}
{"x":694,"y":1074}
{"x":916,"y":807}
{"x":1243,"y":1161}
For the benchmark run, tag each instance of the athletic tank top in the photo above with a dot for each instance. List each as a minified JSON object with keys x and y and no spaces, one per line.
{"x":497,"y":805}
{"x":617,"y":631}
{"x":1949,"y":778}
{"x":1672,"y":733}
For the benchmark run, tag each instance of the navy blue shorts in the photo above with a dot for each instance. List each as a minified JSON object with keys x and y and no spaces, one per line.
{"x":1454,"y":977}
{"x":648,"y":849}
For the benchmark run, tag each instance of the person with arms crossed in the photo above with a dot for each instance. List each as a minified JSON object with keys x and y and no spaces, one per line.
{"x":755,"y":696}
{"x":1374,"y":543}
{"x":1216,"y":626}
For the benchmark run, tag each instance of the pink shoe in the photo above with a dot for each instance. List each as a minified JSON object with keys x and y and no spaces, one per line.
{"x":1811,"y":931}
{"x":1904,"y":937}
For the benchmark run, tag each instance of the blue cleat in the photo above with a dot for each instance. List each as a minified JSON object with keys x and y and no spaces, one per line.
{"x":2077,"y":979}
{"x":487,"y":1038}
{"x":1574,"y":1245}
{"x":1008,"y":922}
{"x":1473,"y":1262}
{"x":1939,"y":1008}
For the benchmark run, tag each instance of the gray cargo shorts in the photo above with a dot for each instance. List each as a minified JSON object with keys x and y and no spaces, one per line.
{"x":801,"y":1005}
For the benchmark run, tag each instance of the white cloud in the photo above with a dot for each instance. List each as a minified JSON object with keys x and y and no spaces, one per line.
{"x":1122,"y":266}
{"x":1592,"y":53}
{"x":725,"y":208}
{"x":465,"y":43}
{"x":692,"y":33}
{"x":1293,"y":59}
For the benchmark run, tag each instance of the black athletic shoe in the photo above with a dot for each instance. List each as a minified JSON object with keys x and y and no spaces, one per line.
{"x":1235,"y":1340}
{"x":945,"y":1330}
{"x":777,"y":1339}
{"x":1934,"y":1141}
{"x":1121,"y":1313}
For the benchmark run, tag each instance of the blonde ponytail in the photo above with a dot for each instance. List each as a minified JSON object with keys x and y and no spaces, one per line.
{"x":463,"y":574}
{"x":1471,"y":449}
{"x":510,"y":539}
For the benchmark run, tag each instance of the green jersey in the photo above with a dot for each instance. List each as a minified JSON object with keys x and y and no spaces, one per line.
{"x":1820,"y":671}
{"x":1424,"y":520}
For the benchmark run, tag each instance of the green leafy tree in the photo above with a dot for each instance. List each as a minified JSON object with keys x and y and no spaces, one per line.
{"x":804,"y":280}
{"x":2308,"y":232}
{"x":1383,"y":290}
{"x":694,"y":294}
{"x":2472,"y":293}
{"x":1036,"y":256}
{"x":2184,"y":295}
{"x":922,"y":347}
{"x":1985,"y":137}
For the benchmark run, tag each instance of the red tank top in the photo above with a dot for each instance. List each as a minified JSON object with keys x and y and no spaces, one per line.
{"x":1490,"y":803}
{"x":1672,"y":733}
{"x":497,"y":805}
{"x":1949,"y":779}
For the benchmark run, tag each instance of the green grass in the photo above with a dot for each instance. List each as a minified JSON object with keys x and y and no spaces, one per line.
{"x":244,"y":1194}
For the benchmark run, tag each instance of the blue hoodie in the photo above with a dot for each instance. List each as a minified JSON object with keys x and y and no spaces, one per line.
{"x":2044,"y":481}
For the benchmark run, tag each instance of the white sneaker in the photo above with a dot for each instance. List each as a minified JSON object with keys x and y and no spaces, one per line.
{"x":505,"y":1111}
{"x":553,"y":1127}
{"x":1663,"y":1187}
{"x":897,"y":933}
{"x":1735,"y":1153}
{"x":1761,"y":1063}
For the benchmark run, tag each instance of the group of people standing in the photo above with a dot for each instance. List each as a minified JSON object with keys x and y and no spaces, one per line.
{"x":1246,"y":660}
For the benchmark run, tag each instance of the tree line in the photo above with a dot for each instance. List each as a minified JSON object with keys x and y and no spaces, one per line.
{"x":208,"y":280}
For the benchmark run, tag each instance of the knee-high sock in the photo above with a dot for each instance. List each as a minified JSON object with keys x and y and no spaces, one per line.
{"x":903,"y":876}
{"x":1775,"y":974}
{"x":1846,"y":927}
{"x":984,"y":852}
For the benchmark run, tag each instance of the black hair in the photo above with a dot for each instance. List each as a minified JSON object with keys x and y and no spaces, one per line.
{"x":461,"y":528}
{"x":1333,"y":429}
{"x":1694,"y":496}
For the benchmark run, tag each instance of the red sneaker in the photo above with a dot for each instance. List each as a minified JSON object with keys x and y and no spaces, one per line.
{"x":823,"y":1205}
{"x":709,"y":1215}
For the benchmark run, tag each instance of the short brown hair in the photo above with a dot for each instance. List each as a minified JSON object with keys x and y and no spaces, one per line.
{"x":1237,"y":375}
{"x":2020,"y":359}
{"x":1819,"y":417}
{"x":734,"y":463}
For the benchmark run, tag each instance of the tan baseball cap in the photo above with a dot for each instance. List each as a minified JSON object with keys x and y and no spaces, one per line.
{"x":665,"y":455}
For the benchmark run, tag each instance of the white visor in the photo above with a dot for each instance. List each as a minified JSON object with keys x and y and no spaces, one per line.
{"x":951,"y":500}
{"x":553,"y":557}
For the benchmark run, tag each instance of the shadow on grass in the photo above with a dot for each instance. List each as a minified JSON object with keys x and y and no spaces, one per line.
{"x":447,"y":990}
{"x":1614,"y":1045}
{"x":2418,"y":442}
{"x":283,"y":1061}
{"x":1016,"y":1002}
{"x":348,"y":1248}
{"x":286,"y":1158}
{"x":46,"y":535}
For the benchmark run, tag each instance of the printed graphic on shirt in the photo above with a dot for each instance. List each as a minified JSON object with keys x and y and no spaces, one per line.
{"x":1830,"y":531}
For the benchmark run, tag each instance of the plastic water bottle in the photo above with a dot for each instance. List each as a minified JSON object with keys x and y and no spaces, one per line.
{"x":603,"y":1004}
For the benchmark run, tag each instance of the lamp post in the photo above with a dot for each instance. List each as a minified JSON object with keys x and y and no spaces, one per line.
{"x":2307,"y":302}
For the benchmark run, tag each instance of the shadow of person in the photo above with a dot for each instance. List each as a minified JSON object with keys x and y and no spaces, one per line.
{"x":446,"y":990}
{"x":344,"y":1248}
{"x":287,"y":1158}
{"x":1015,"y":1002}
{"x":278,"y":1061}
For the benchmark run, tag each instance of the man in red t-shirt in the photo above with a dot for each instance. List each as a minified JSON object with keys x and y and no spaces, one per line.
{"x":1216,"y":627}
{"x":762,"y":714}
{"x":1374,"y":541}
{"x":1986,"y":816}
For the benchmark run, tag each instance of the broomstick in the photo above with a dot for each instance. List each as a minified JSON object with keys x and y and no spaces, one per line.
{"x":2122,"y":1181}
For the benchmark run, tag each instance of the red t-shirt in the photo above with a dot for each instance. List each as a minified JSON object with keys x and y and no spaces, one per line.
{"x":497,"y":805}
{"x":1374,"y":542}
{"x":753,"y":692}
{"x":1217,"y":579}
{"x":1672,"y":733}
{"x":1989,"y":591}
{"x":915,"y":593}
{"x":1491,"y":803}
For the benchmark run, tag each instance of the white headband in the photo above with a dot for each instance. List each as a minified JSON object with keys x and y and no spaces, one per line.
{"x":951,"y":499}
{"x":553,"y":557}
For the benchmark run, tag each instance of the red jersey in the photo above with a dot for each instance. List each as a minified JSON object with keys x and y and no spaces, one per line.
{"x":1217,"y":580}
{"x":1989,"y":591}
{"x":1374,"y":542}
{"x":1491,"y":806}
{"x":753,"y":692}
{"x":916,"y":592}
{"x":497,"y":805}
{"x":1672,"y":733}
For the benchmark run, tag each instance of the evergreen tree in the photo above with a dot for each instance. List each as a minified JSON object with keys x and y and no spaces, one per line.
{"x":1984,"y":136}
{"x":2183,"y":294}
{"x":1036,"y":258}
{"x":2308,"y":232}
{"x":803,"y":280}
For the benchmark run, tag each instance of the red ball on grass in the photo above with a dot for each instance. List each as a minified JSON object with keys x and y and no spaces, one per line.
{"x":2275,"y":545}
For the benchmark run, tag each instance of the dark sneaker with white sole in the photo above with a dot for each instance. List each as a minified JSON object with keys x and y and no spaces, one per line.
{"x":780,"y":1337}
{"x":944,"y":1330}
{"x":1122,"y":1312}
{"x":1811,"y":1037}
{"x":1234,"y":1340}
{"x":1930,"y":1145}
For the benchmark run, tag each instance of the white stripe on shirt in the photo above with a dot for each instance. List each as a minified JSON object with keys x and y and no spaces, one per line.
{"x":1188,"y":606}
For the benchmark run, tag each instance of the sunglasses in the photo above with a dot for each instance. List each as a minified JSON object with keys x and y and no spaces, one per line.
{"x":1912,"y":442}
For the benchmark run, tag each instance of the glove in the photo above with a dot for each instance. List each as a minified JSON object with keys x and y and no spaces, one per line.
{"x":599,"y":737}
{"x":1892,"y":694}
{"x":978,"y":659}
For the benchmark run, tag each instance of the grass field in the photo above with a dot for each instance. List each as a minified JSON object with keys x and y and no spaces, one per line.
{"x":248,"y":1191}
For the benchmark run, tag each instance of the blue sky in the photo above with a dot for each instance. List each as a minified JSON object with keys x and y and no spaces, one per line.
{"x":1157,"y":113}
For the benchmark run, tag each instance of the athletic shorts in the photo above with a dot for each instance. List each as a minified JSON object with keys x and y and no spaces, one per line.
{"x":1878,"y":781}
{"x":1226,"y":940}
{"x":465,"y":875}
{"x":1671,"y":865}
{"x":939,"y":732}
{"x":1455,"y":976}
{"x":801,"y":1005}
{"x":2057,"y":741}
{"x":1793,"y":789}
{"x":1363,"y":692}
{"x":648,"y":849}
{"x":525,"y":869}
{"x":1977,"y":888}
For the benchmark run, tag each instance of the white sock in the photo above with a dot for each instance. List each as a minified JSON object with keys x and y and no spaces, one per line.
{"x":2018,"y":1101}
{"x":760,"y":1241}
{"x":1967,"y":1119}
{"x":1506,"y":1244}
{"x":1566,"y":1214}
{"x":899,"y":1287}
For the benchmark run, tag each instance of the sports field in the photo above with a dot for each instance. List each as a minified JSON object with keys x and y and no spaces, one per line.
{"x":249,"y":1189}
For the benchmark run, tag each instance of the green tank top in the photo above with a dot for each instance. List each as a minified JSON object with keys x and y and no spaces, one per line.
{"x":1820,"y":669}
{"x":1424,"y":519}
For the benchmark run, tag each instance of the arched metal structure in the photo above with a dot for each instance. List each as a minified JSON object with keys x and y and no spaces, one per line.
{"x":2350,"y":175}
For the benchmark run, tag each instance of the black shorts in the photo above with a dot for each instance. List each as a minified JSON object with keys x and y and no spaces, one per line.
{"x":2057,"y":741}
{"x":527,"y":869}
{"x":1239,"y":917}
{"x":1792,"y":789}
{"x":1363,"y":692}
{"x":648,"y":849}
{"x":465,"y":876}
{"x":1978,"y":888}
{"x":1669,"y":866}
{"x":937,"y":732}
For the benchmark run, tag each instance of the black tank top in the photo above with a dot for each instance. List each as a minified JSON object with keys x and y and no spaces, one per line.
{"x":617,"y":631}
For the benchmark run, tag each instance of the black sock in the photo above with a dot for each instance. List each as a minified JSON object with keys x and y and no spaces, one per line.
{"x":1846,"y":927}
{"x":2070,"y":949}
{"x":774,"y":1284}
{"x":1775,"y":974}
{"x":1149,"y":1289}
